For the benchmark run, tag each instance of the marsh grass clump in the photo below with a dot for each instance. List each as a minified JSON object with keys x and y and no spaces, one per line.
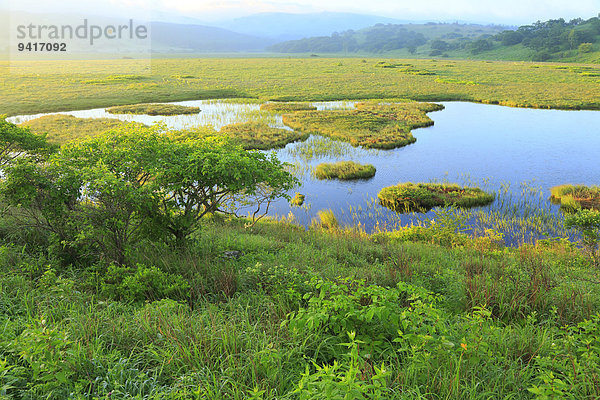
{"x":575,"y":197}
{"x":260,"y":136}
{"x":153,"y":109}
{"x":297,"y":200}
{"x":326,"y":219}
{"x":62,"y":128}
{"x":344,"y":170}
{"x":407,"y":197}
{"x":287,"y":107}
{"x":371,"y":124}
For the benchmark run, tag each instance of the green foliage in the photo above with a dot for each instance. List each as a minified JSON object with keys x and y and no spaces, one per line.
{"x":103,"y":191}
{"x":373,"y":312}
{"x":344,"y":170}
{"x":344,"y":380}
{"x":407,"y":197}
{"x":46,"y":351}
{"x":260,"y":136}
{"x":153,"y":109}
{"x":143,"y":284}
{"x":16,"y":142}
{"x":585,"y":48}
{"x":587,"y":223}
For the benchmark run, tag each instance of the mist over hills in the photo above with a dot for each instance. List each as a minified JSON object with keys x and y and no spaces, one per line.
{"x":186,"y":38}
{"x":287,"y":26}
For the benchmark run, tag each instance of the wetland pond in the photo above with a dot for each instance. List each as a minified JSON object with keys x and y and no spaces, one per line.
{"x":517,"y":153}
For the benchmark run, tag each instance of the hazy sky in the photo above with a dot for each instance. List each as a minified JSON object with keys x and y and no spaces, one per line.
{"x":492,"y":11}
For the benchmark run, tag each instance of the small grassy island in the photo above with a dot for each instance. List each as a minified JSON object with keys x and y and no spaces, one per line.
{"x":260,"y":136}
{"x":287,"y":107}
{"x":371,"y":124}
{"x":575,"y":197}
{"x":153,"y":109}
{"x":406,"y":197}
{"x":344,"y":170}
{"x":297,"y":200}
{"x":61,"y":128}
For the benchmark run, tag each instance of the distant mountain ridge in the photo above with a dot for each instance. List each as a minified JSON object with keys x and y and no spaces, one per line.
{"x":287,"y":26}
{"x":187,"y":38}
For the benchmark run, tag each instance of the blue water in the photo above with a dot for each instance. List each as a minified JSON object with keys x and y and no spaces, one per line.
{"x":492,"y":146}
{"x":486,"y":145}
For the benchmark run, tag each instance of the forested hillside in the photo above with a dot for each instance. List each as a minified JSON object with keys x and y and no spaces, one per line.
{"x":557,"y":39}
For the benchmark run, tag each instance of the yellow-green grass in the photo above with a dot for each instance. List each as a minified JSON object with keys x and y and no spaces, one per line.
{"x":344,"y":170}
{"x":260,"y":136}
{"x":574,"y":197}
{"x":45,"y":86}
{"x":297,"y":200}
{"x":371,"y":125}
{"x":63,"y":128}
{"x":153,"y":109}
{"x":287,"y":107}
{"x":406,"y":197}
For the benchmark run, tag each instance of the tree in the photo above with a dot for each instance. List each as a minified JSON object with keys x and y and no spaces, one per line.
{"x":214,"y":175}
{"x":585,"y":48}
{"x":99,"y":194}
{"x":16,"y":142}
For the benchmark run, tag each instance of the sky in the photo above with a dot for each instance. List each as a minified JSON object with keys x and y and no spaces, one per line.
{"x":482,"y":11}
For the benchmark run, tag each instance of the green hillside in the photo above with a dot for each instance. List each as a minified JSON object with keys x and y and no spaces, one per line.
{"x":554,"y":40}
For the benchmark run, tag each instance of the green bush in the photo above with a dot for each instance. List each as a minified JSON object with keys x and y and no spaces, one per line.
{"x":375,"y":313}
{"x":143,"y":283}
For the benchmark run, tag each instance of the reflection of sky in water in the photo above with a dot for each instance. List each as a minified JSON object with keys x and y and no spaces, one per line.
{"x":470,"y":143}
{"x":212,"y":112}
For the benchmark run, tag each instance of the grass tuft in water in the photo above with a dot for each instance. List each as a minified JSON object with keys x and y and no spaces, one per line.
{"x":344,"y":170}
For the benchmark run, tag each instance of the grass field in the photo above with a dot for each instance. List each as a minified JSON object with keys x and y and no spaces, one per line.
{"x":43,"y":86}
{"x":476,"y":321}
{"x":266,"y":310}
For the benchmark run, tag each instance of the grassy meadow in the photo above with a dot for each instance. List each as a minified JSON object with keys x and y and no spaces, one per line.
{"x":46,"y":86}
{"x":122,"y":278}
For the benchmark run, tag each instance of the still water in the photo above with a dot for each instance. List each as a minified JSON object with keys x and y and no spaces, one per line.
{"x":518,"y":152}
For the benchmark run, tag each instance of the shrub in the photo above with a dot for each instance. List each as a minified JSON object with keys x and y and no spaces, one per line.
{"x":375,"y":313}
{"x":143,"y":283}
{"x":585,"y":48}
